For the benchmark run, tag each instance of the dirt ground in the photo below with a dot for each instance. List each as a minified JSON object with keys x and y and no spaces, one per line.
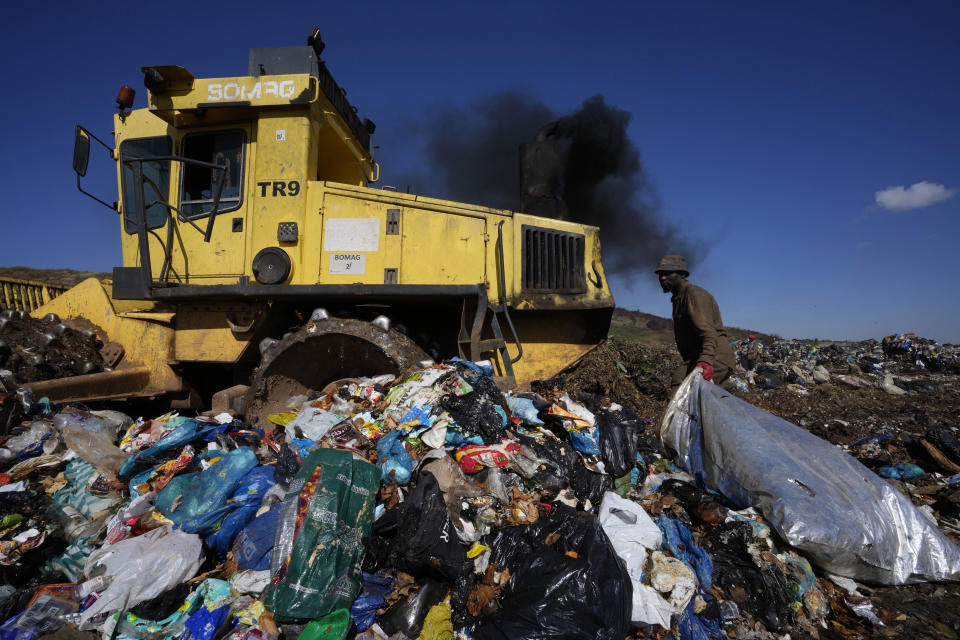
{"x":638,"y":376}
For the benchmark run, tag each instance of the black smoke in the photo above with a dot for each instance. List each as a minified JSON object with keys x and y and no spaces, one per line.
{"x":471,"y":154}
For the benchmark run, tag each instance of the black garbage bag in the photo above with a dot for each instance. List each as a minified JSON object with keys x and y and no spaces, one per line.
{"x":459,"y":598}
{"x":476,"y":412}
{"x":619,"y":431}
{"x":417,"y":536}
{"x":946,"y":443}
{"x":948,"y":504}
{"x":407,"y":616}
{"x":164,"y":604}
{"x":764,"y":592}
{"x":768,"y":377}
{"x":554,"y":595}
{"x":563,"y":459}
{"x":648,"y":443}
{"x":592,"y":401}
{"x":11,"y":412}
{"x":287,"y":465}
{"x":68,"y":632}
{"x":17,"y":601}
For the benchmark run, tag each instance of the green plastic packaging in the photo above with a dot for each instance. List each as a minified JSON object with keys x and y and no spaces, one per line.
{"x":333,"y":626}
{"x":335,"y":495}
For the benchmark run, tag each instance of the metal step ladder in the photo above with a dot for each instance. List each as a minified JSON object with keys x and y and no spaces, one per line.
{"x":472,"y":343}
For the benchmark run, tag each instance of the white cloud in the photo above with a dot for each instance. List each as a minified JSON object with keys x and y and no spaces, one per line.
{"x":916,"y":196}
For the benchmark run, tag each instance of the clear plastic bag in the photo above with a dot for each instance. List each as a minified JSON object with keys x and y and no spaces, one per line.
{"x":96,"y":448}
{"x":142,"y":568}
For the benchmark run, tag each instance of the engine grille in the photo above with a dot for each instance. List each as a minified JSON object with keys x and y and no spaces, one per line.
{"x":553,"y":261}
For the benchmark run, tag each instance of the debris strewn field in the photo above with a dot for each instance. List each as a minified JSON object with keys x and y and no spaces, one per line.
{"x":433,"y":503}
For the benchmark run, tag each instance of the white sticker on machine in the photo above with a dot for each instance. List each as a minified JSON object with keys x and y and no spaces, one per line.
{"x":351,"y":234}
{"x":348,"y":263}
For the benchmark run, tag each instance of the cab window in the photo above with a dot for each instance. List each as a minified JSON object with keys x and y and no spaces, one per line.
{"x":156,"y":180}
{"x":199,"y":184}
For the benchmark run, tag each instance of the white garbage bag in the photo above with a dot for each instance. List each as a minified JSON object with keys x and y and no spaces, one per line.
{"x":632,"y":533}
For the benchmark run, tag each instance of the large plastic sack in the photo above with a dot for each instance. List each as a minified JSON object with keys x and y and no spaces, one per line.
{"x":819,"y":499}
{"x":82,"y":516}
{"x":335,"y":494}
{"x":142,"y":568}
{"x":195,"y":495}
{"x":550,"y":594}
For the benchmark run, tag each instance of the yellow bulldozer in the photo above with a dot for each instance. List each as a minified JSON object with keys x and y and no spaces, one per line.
{"x":255,"y":252}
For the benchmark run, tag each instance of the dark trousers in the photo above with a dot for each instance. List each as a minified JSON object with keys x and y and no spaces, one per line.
{"x":720,"y":373}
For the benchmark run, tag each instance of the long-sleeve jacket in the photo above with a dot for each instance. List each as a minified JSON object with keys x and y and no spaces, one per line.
{"x":698,"y":327}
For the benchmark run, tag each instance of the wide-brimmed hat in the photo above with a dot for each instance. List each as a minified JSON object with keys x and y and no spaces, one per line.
{"x":673,"y":263}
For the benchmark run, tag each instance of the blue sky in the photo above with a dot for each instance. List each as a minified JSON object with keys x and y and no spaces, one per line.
{"x":767,"y":129}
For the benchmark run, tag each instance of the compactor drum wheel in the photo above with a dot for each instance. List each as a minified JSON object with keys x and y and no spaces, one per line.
{"x":323,"y":351}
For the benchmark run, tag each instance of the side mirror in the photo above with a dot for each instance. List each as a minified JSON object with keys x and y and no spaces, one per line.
{"x":81,"y":157}
{"x":81,"y":151}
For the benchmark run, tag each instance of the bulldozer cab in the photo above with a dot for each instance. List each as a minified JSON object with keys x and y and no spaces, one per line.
{"x":214,"y":175}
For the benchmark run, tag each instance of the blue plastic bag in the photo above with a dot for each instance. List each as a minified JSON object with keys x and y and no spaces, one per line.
{"x":456,"y":439}
{"x":191,"y":496}
{"x":187,"y":430}
{"x":902,"y":471}
{"x":204,"y":623}
{"x":524,"y":409}
{"x":691,"y":626}
{"x":586,"y":441}
{"x":254,"y":543}
{"x":373,"y":595}
{"x":242,"y":507}
{"x":679,"y":541}
{"x":390,"y":446}
{"x":475,"y":367}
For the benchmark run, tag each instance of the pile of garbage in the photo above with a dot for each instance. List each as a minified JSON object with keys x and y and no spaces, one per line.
{"x":426,"y":506}
{"x":899,"y":364}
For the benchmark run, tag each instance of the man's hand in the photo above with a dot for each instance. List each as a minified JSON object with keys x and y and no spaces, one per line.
{"x":706,"y":369}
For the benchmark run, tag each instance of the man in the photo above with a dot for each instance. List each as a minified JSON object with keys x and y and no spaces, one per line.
{"x":697,"y":326}
{"x":754,"y":349}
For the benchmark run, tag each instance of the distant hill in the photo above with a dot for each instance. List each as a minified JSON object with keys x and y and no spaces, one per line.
{"x":650,"y":329}
{"x":59,"y":277}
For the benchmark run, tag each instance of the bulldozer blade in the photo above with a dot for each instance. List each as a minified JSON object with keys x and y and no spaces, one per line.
{"x":119,"y":383}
